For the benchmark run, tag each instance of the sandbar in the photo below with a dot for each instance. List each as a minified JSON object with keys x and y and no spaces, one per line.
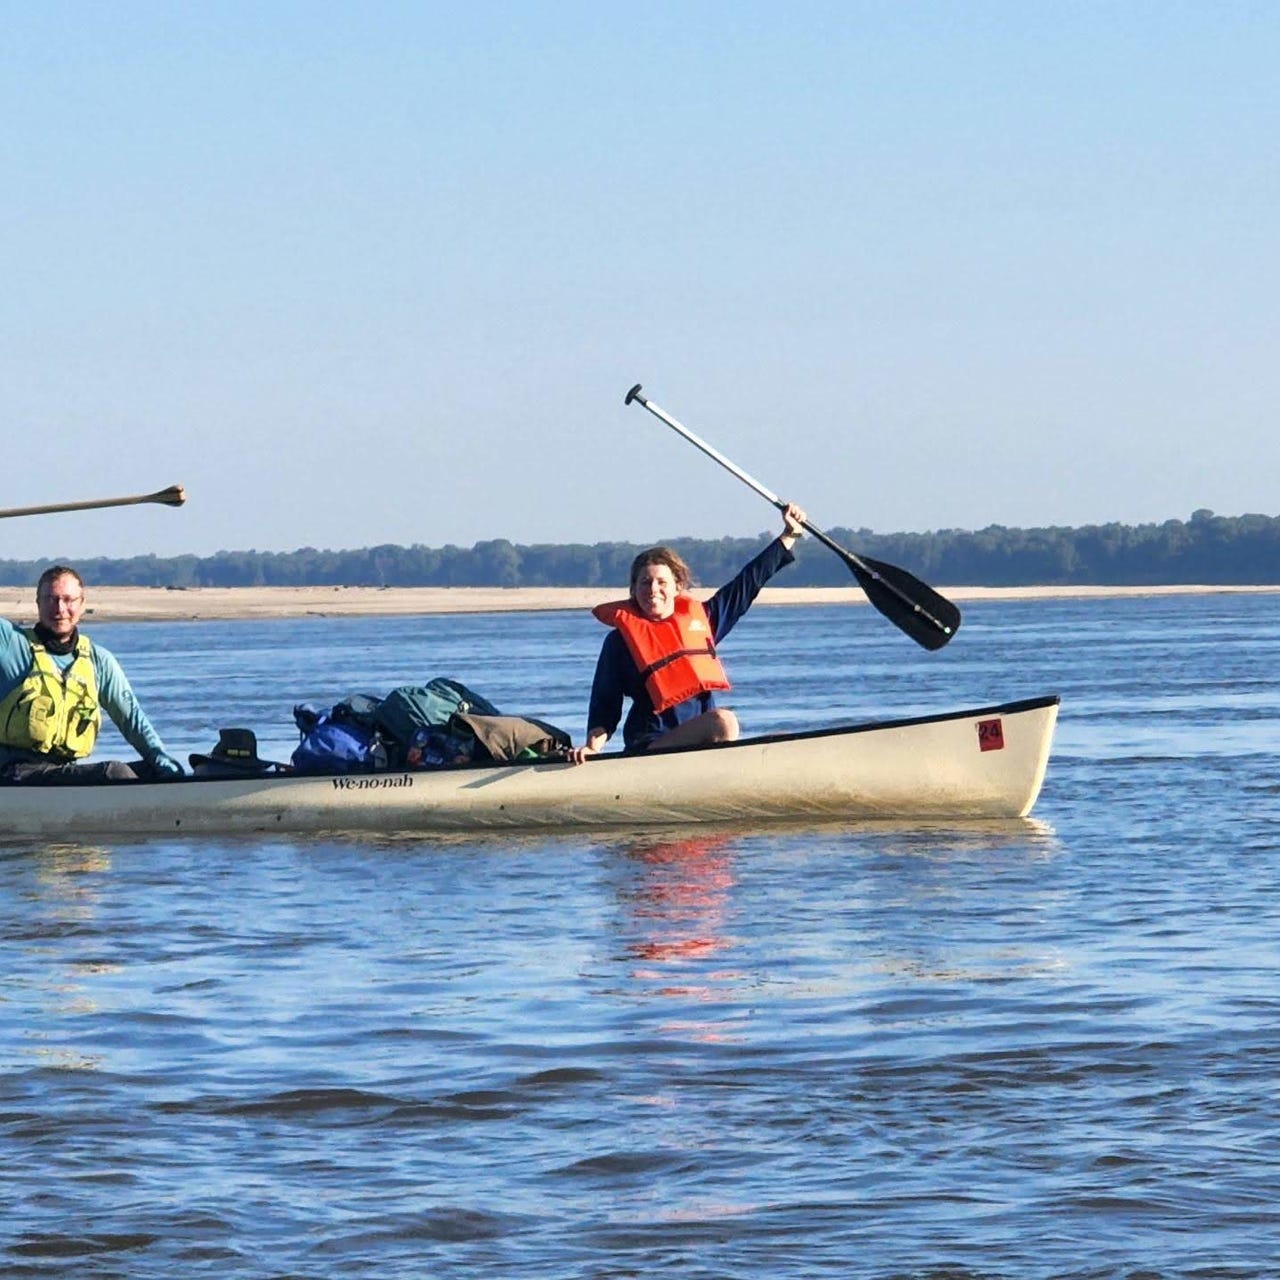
{"x":201,"y":604}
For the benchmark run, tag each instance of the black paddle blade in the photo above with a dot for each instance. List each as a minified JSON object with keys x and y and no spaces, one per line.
{"x":912,"y":606}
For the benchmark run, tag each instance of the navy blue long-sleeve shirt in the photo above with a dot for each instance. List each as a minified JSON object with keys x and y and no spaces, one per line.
{"x":618,"y":678}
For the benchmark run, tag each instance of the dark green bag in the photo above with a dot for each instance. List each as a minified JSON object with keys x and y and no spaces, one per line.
{"x":412,"y":707}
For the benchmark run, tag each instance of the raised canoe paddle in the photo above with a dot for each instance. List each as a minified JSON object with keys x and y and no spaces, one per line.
{"x":911,"y":605}
{"x":174,"y":496}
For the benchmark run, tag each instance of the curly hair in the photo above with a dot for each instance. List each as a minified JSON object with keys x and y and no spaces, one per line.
{"x":664,"y":556}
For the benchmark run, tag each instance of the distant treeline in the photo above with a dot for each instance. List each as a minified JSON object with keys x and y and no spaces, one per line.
{"x":1205,"y":549}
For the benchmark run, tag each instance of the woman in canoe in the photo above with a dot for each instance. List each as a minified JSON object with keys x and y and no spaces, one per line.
{"x":661,"y":651}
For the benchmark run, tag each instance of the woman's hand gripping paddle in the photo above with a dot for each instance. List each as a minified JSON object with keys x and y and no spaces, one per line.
{"x":911,"y":605}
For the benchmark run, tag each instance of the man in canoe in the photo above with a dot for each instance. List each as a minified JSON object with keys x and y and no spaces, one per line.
{"x":661,"y":652}
{"x":54,"y":685}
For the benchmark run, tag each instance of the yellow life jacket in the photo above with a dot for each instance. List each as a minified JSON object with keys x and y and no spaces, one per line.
{"x":55,"y":713}
{"x":676,"y":657}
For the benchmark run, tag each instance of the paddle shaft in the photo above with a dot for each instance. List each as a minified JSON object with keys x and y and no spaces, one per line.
{"x":859,"y":565}
{"x":736,"y":470}
{"x":173,"y":496}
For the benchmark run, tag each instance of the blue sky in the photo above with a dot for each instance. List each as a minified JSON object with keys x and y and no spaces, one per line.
{"x":384,"y":272}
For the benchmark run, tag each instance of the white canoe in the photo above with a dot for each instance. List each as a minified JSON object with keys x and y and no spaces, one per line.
{"x":977,"y":764}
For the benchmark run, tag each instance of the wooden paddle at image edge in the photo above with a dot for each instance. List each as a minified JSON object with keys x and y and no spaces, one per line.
{"x":912,"y":606}
{"x":174,"y":496}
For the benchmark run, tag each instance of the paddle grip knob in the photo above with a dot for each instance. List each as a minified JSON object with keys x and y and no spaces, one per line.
{"x":634,"y":394}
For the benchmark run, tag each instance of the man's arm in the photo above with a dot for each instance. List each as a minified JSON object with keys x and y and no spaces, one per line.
{"x":15,"y":657}
{"x":117,"y":697}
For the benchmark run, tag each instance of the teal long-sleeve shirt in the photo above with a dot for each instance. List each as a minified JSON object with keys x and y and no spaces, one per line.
{"x":114,"y":693}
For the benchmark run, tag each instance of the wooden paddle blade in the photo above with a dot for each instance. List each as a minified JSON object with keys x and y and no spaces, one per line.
{"x":912,"y":606}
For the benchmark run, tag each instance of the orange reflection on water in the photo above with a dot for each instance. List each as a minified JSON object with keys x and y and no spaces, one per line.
{"x":679,"y":904}
{"x":678,"y":908}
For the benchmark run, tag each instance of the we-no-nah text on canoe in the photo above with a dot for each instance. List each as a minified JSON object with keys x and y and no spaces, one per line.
{"x":365,"y":783}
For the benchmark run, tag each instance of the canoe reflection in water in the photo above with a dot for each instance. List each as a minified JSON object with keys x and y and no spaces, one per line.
{"x":678,"y":905}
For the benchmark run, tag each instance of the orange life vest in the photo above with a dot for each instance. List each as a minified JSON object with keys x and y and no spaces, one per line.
{"x":676,"y":657}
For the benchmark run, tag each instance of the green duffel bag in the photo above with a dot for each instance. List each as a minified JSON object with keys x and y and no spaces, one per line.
{"x":430,"y":706}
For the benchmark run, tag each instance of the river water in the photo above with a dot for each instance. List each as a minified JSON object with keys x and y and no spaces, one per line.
{"x":1047,"y":1048}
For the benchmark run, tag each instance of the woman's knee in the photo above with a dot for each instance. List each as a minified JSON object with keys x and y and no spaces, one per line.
{"x":727,"y":727}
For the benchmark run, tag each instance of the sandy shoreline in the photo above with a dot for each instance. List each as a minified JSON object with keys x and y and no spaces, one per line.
{"x":159,"y":604}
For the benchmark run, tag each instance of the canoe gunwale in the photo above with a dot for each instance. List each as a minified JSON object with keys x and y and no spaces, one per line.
{"x":866,"y":726}
{"x":608,"y":757}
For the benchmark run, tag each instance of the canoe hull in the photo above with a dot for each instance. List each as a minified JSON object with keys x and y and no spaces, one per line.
{"x":977,"y":764}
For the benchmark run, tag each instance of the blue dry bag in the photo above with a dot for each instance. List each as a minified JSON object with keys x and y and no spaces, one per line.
{"x":335,"y":745}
